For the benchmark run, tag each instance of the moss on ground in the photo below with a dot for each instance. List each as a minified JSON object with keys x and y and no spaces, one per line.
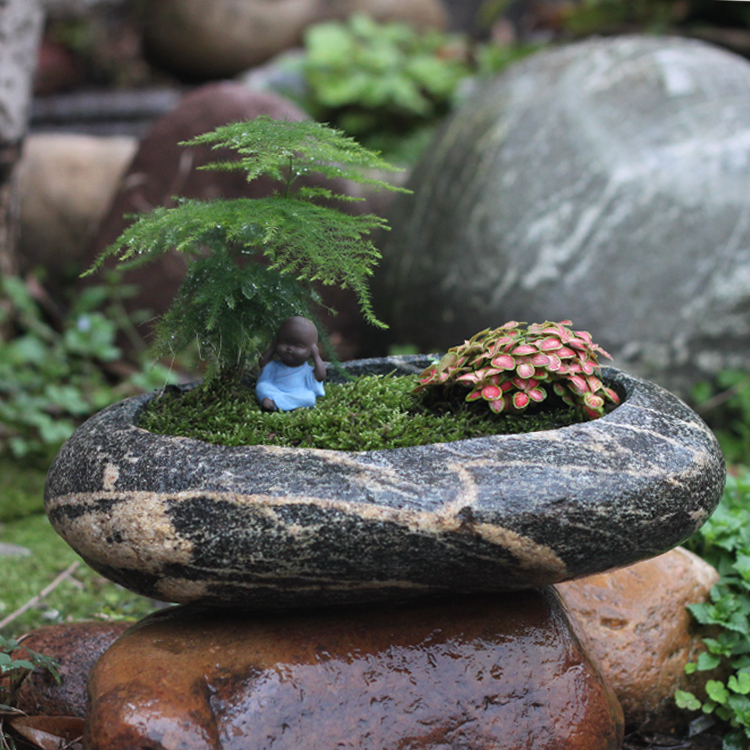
{"x":84,"y":595}
{"x":369,"y":413}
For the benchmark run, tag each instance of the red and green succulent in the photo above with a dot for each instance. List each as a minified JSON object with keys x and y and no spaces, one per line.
{"x":512,"y":367}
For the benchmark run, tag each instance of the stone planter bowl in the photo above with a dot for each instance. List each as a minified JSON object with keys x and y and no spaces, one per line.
{"x":181,"y":520}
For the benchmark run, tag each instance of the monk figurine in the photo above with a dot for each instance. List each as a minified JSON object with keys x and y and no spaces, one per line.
{"x":287,"y":379}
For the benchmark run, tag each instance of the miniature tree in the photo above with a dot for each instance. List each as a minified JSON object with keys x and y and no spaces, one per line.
{"x":252,"y":261}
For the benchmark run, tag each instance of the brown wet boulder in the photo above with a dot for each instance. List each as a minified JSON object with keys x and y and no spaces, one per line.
{"x":76,"y":647}
{"x":639,"y":631}
{"x":501,"y":672}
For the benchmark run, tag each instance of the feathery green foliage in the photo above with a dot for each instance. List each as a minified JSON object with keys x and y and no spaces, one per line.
{"x":229,"y":303}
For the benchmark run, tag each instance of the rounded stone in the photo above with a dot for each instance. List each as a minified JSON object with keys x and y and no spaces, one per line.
{"x":501,"y":672}
{"x":181,"y":520}
{"x":603,"y":182}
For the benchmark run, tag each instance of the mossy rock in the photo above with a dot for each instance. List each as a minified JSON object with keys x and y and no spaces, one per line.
{"x":267,"y":527}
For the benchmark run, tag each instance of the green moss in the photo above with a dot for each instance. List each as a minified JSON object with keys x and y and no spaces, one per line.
{"x":84,"y":595}
{"x":370,"y":413}
{"x":21,"y":488}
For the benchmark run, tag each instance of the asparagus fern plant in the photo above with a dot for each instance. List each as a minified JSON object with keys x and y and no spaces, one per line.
{"x":252,"y":262}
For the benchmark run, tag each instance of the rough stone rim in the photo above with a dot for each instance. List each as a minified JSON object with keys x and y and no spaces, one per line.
{"x":509,"y":511}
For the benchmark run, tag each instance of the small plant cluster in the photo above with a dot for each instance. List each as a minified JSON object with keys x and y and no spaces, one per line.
{"x":369,"y":76}
{"x":724,"y":541}
{"x":13,"y":671}
{"x":725,"y":405}
{"x":252,"y":262}
{"x":369,"y":413}
{"x":51,"y":379}
{"x":512,"y":367}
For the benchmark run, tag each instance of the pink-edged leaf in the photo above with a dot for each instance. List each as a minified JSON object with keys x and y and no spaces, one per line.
{"x":612,"y":395}
{"x":448,"y":360}
{"x":525,"y":370}
{"x":504,"y":362}
{"x":524,"y":350}
{"x":540,"y":360}
{"x":579,"y":344}
{"x":537,"y":394}
{"x":592,"y":413}
{"x":594,"y":383}
{"x":491,"y":393}
{"x":520,"y":400}
{"x":594,"y":401}
{"x":603,"y":352}
{"x":550,"y":344}
{"x":497,"y":406}
{"x":578,"y":384}
{"x":554,"y":363}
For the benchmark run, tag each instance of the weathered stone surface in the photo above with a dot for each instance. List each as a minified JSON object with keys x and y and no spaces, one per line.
{"x":638,"y":630}
{"x":259,"y":526}
{"x":66,"y":183}
{"x":76,"y":647}
{"x":602,"y":182}
{"x":501,"y":672}
{"x":221,"y":38}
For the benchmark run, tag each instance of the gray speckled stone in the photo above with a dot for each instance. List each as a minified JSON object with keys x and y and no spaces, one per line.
{"x":261,"y":527}
{"x":604,"y":182}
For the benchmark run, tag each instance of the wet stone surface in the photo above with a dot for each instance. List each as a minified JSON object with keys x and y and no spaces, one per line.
{"x":503,"y":671}
{"x":263,"y":527}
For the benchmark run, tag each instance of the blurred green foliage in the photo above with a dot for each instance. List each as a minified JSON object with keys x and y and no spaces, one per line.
{"x":52,"y":378}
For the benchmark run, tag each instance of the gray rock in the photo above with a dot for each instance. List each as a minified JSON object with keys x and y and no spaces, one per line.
{"x":264,"y":527}
{"x":13,"y":550}
{"x":604,"y":182}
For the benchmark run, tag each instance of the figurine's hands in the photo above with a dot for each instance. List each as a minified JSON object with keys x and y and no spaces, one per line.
{"x":319,"y":367}
{"x":267,"y":355}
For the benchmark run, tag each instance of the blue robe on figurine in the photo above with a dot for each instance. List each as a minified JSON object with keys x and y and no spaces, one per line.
{"x":288,"y":387}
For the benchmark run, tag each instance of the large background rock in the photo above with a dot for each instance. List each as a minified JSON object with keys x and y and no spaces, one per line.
{"x":605,"y":182}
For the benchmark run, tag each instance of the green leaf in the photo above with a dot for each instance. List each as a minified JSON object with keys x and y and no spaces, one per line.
{"x":686,"y":700}
{"x":717,"y":691}
{"x":739,"y":683}
{"x":707,"y":661}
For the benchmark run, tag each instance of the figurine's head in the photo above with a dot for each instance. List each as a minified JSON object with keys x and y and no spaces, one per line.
{"x":295,"y":340}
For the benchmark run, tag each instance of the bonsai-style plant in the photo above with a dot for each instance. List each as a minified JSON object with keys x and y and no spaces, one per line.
{"x":512,"y":367}
{"x":252,"y":262}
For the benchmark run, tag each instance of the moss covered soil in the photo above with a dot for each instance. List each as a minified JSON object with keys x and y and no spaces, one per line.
{"x":369,"y":413}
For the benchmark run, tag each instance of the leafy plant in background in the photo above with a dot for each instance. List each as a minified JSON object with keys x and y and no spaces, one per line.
{"x":512,"y":367}
{"x":50,"y":380}
{"x":251,"y":262}
{"x":389,"y":84}
{"x":13,"y":671}
{"x":724,"y":542}
{"x":725,"y":405}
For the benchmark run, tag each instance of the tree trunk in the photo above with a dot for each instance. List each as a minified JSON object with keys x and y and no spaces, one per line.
{"x":20,"y":30}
